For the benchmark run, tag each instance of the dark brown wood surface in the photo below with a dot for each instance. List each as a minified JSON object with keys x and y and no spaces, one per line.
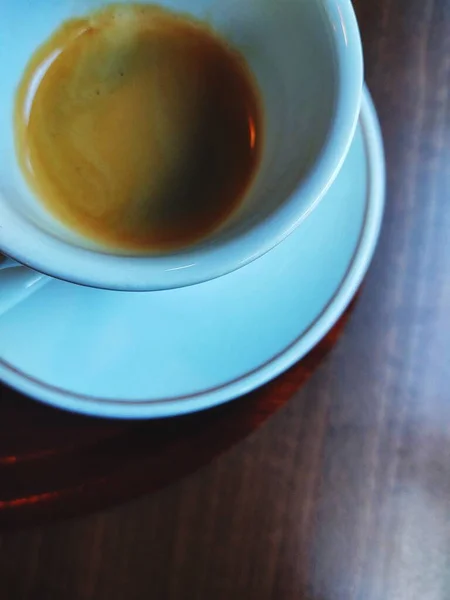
{"x":343,"y":494}
{"x":55,"y":464}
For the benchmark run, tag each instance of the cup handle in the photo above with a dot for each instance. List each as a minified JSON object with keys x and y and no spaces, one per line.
{"x":17,"y":283}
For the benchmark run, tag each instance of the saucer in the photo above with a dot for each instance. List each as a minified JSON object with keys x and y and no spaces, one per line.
{"x":159,"y":354}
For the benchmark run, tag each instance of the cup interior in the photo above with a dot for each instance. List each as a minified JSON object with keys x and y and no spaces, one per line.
{"x":293,"y":49}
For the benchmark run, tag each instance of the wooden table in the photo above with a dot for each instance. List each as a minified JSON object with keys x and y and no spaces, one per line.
{"x":344,"y":494}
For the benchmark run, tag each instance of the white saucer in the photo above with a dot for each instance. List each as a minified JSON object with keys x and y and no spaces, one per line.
{"x":141,"y":355}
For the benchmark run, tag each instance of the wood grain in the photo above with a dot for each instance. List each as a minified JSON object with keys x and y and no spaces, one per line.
{"x":344,"y":494}
{"x":55,"y":464}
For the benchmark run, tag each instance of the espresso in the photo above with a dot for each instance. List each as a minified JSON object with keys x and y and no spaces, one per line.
{"x":145,"y":131}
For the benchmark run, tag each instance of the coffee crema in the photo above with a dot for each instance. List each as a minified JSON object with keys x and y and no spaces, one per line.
{"x":144,"y":131}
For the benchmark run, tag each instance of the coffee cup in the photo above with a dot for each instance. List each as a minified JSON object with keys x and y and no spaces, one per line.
{"x":306,"y":58}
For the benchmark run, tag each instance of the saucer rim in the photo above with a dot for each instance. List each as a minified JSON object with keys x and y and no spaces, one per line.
{"x":295,"y":351}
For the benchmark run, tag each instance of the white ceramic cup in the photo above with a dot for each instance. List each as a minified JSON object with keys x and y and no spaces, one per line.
{"x":307,"y":59}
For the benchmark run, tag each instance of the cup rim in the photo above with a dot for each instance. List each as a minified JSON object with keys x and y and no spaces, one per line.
{"x":199,"y":264}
